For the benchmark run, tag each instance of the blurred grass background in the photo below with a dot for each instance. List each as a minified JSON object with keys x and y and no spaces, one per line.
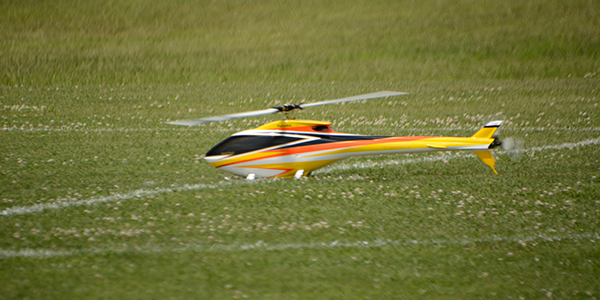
{"x":65,"y":42}
{"x":86,"y":85}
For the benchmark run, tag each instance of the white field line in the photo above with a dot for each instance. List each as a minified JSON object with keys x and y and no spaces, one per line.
{"x":504,"y":128}
{"x":262,"y":246}
{"x":21,"y":210}
{"x":449,"y":155}
{"x":367,"y":165}
{"x":125,"y":130}
{"x":589,"y":142}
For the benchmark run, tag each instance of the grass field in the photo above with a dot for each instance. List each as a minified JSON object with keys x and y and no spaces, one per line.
{"x":100,"y":200}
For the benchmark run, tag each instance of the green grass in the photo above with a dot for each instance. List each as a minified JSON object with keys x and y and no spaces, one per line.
{"x":180,"y":42}
{"x":100,"y":199}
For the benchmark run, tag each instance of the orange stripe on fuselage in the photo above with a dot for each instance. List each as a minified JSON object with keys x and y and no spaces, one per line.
{"x":326,"y":146}
{"x":265,"y":155}
{"x":349,"y":144}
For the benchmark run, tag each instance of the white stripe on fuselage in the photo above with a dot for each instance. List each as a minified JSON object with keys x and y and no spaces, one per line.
{"x":296,"y":133}
{"x":324,"y":155}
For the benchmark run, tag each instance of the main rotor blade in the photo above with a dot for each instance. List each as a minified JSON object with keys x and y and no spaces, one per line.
{"x":355,"y":98}
{"x":267,"y":111}
{"x":195,"y":122}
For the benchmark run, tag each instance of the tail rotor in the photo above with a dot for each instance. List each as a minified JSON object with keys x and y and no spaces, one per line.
{"x":514,"y":147}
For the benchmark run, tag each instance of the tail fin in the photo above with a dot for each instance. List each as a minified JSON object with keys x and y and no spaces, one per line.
{"x":486,"y":133}
{"x":487,"y":158}
{"x":488,"y":130}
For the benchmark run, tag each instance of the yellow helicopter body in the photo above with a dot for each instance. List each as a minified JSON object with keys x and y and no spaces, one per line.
{"x":294,"y":148}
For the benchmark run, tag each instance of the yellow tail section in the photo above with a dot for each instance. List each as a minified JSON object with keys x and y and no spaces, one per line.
{"x":486,"y":133}
{"x":487,"y":158}
{"x":488,"y":130}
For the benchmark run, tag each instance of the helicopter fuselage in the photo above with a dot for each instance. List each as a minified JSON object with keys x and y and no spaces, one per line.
{"x":294,"y":148}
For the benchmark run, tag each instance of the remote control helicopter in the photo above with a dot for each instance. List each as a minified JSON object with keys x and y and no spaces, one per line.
{"x":294,"y":148}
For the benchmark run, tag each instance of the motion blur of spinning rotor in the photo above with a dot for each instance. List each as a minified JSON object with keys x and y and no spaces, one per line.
{"x":511,"y":145}
{"x":285,"y":109}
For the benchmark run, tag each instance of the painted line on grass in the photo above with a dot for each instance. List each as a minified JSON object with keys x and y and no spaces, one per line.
{"x":123,"y":130}
{"x":503,"y":128}
{"x":450,"y":155}
{"x":368,"y":165}
{"x":262,"y":246}
{"x":21,"y":210}
{"x":583,"y":143}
